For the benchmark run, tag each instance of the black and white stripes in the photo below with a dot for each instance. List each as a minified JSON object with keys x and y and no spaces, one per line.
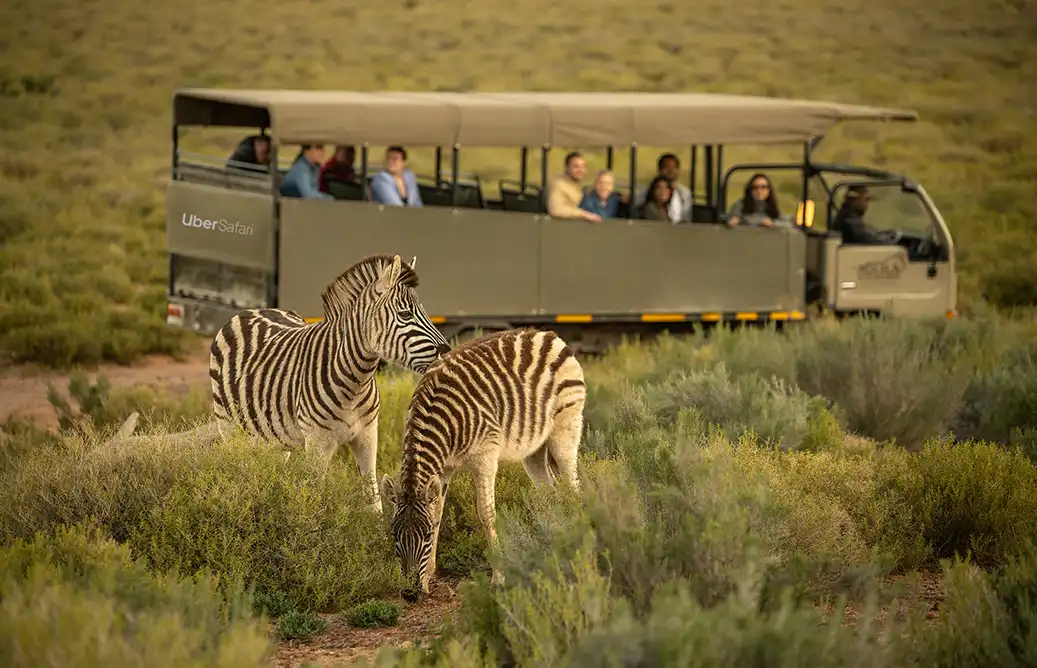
{"x":283,"y":380}
{"x":514,"y":395}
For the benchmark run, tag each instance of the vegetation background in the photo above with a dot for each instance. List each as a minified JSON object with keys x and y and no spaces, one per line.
{"x":735,"y":488}
{"x":86,"y":89}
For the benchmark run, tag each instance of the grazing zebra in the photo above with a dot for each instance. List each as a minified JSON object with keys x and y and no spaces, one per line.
{"x":283,"y":380}
{"x":508,"y":396}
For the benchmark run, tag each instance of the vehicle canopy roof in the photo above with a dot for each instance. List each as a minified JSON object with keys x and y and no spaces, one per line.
{"x":531,"y":119}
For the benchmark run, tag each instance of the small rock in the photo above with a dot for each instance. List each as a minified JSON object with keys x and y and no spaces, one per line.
{"x":442,"y":590}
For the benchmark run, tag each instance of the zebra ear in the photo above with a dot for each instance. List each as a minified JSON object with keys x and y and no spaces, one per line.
{"x":389,"y":276}
{"x":432,"y":489}
{"x":414,"y":262}
{"x":388,"y":488}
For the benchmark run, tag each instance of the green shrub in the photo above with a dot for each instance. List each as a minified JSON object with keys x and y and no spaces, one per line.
{"x":75,"y":598}
{"x":778,"y":413}
{"x":893,"y":379}
{"x":1000,"y":403}
{"x":373,"y":613}
{"x":296,"y":624}
{"x":233,"y":507}
{"x":968,"y":498}
{"x":984,"y":619}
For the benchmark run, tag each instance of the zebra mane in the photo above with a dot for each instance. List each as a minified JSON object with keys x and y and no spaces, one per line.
{"x":342,"y":292}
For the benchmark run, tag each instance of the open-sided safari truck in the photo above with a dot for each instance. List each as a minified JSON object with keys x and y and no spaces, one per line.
{"x":234,"y":242}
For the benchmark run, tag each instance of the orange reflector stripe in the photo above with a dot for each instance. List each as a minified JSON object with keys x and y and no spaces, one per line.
{"x":663,"y":317}
{"x":746,"y":316}
{"x":437,"y":319}
{"x":573,"y":317}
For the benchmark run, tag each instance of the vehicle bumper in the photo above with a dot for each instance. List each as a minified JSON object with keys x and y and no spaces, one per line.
{"x":197,"y":315}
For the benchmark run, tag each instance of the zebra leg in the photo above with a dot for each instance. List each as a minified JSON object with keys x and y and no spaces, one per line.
{"x":445,"y":482}
{"x":484,"y":475}
{"x":563,"y":445}
{"x":365,"y":452}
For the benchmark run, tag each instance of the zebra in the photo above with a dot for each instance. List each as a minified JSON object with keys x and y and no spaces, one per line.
{"x":283,"y":380}
{"x":513,"y":395}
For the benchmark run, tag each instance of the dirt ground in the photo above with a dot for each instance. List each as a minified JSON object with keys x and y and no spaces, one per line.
{"x":23,"y":389}
{"x":341,"y":644}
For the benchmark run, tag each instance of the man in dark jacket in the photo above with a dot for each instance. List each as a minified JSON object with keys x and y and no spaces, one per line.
{"x":849,"y":220}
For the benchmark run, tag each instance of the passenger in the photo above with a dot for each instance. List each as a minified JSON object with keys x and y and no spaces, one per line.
{"x":395,"y":184}
{"x":758,"y":206}
{"x":253,"y":152}
{"x":602,"y":200}
{"x":301,"y":179}
{"x":849,"y":220}
{"x":669,"y":166}
{"x":566,"y":194}
{"x":661,"y":195}
{"x":339,"y":168}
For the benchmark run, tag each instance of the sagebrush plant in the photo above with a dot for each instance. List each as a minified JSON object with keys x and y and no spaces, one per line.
{"x":74,"y":597}
{"x":373,"y":613}
{"x":232,"y":507}
{"x":714,"y":488}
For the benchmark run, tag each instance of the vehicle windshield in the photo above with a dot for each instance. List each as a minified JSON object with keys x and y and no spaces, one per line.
{"x":890,"y":207}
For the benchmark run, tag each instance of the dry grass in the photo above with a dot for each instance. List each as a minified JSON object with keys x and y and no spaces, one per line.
{"x":85,"y":91}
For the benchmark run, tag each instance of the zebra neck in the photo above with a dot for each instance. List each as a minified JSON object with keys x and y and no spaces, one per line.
{"x":421,"y":461}
{"x":357,"y":347}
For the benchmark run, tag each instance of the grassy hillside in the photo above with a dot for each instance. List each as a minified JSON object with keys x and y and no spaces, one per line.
{"x":85,"y":91}
{"x":733,"y":489}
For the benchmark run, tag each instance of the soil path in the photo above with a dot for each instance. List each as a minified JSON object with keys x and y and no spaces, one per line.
{"x":341,"y":644}
{"x":23,"y":388}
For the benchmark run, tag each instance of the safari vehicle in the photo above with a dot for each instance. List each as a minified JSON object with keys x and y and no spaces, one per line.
{"x":234,"y":242}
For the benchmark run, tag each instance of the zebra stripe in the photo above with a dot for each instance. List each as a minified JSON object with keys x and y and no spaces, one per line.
{"x":516,"y":395}
{"x":281,"y":379}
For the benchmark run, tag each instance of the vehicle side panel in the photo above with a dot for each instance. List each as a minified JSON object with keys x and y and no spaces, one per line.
{"x":211,"y":223}
{"x":471,"y":262}
{"x":635,"y":267}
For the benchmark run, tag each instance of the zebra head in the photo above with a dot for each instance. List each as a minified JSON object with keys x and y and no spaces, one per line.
{"x":414,"y":527}
{"x":399,"y":328}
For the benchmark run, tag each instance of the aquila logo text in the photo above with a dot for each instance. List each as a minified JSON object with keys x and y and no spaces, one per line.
{"x":218,"y":224}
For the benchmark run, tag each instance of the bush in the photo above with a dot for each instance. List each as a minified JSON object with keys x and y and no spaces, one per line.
{"x":370,"y":614}
{"x":294,"y":625}
{"x":893,"y":379}
{"x":985,"y":619}
{"x":778,"y":413}
{"x":969,"y":498}
{"x":1001,"y":401}
{"x":73,"y":597}
{"x":232,"y":507}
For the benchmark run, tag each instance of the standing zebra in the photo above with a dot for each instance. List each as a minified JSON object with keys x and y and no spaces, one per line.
{"x":508,"y":396}
{"x":283,"y":380}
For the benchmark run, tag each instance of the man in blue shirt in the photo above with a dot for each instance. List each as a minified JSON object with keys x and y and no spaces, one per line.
{"x":301,"y":179}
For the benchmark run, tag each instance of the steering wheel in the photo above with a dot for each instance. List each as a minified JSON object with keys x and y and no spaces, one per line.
{"x":890,"y":236}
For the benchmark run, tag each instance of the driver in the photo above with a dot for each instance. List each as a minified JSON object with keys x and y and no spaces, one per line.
{"x":849,"y":220}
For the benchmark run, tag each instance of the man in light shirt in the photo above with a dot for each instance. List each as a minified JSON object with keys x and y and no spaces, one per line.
{"x":566,"y":193}
{"x":669,"y":166}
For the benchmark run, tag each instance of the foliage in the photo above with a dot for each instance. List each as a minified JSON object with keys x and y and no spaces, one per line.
{"x":94,"y":88}
{"x":724,"y":510}
{"x":73,"y":597}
